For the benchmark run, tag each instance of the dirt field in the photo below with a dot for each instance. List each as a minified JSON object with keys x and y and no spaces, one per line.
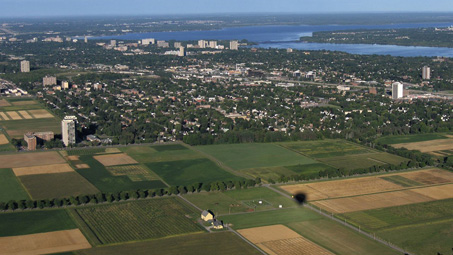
{"x":4,"y":116}
{"x":40,"y":114}
{"x":342,"y":188}
{"x":279,"y":239}
{"x":115,"y":159}
{"x":13,"y":115}
{"x":31,"y":159}
{"x":47,"y":169}
{"x":25,"y":115}
{"x":432,"y":176}
{"x":436,"y":192}
{"x":44,"y":243}
{"x":3,"y":139}
{"x":24,"y":102}
{"x":374,"y":201}
{"x":428,"y":146}
{"x":3,"y":102}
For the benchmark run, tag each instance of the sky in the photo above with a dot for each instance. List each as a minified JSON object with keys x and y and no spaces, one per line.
{"x":34,"y":8}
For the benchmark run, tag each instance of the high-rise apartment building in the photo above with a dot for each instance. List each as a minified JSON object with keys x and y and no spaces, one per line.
{"x":213,"y":44}
{"x":49,"y":80}
{"x":148,"y":41}
{"x":68,"y":133}
{"x":234,"y":45}
{"x":397,"y":90}
{"x":31,"y":141}
{"x":426,"y":73}
{"x":182,"y":51}
{"x":202,"y":43}
{"x":177,"y":45}
{"x":25,"y":66}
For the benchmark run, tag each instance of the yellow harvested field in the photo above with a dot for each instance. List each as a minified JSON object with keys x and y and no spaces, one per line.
{"x":47,"y":169}
{"x":3,"y":102}
{"x":14,"y":115}
{"x":428,"y":146}
{"x":25,"y":115}
{"x":373,"y":201}
{"x":342,"y":188}
{"x":436,"y":192}
{"x":73,"y":158}
{"x":44,"y":243}
{"x":3,"y":139}
{"x":115,"y":159}
{"x":112,"y":150}
{"x":4,"y":116}
{"x":28,"y":102}
{"x":431,"y":176}
{"x":40,"y":114}
{"x":82,"y":166}
{"x":31,"y":159}
{"x":279,"y":239}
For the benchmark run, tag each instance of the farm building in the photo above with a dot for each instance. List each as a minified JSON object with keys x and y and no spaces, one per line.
{"x":217,"y":224}
{"x":207,"y":215}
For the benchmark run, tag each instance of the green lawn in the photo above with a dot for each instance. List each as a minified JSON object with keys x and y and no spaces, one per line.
{"x":145,"y":154}
{"x":254,"y":155}
{"x":265,"y":218}
{"x":339,"y":239}
{"x":24,"y":223}
{"x":98,"y":175}
{"x":410,"y":138}
{"x":59,"y":185}
{"x":139,"y":220}
{"x":221,"y":243}
{"x":10,"y":187}
{"x":186,"y":172}
{"x":243,"y":200}
{"x":326,"y":148}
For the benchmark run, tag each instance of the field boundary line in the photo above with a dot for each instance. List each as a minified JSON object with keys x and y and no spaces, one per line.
{"x":346,"y":224}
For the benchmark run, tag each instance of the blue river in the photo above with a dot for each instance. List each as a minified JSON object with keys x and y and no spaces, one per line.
{"x":288,"y":37}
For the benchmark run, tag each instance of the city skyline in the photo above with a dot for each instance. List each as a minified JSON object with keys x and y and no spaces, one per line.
{"x":30,"y":8}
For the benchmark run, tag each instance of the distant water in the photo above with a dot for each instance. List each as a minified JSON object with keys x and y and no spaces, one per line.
{"x":286,"y":36}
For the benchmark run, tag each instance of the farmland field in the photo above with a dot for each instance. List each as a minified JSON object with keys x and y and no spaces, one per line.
{"x":254,"y":155}
{"x":267,"y":173}
{"x":59,"y":185}
{"x":432,"y":146}
{"x":149,"y":154}
{"x":46,"y":169}
{"x":240,"y":200}
{"x":24,"y":223}
{"x":10,"y":187}
{"x":186,"y":172}
{"x":44,"y":243}
{"x":31,"y":159}
{"x":193,"y":244}
{"x":279,"y":239}
{"x":105,"y":181}
{"x":409,"y":138}
{"x":115,"y":159}
{"x":326,"y":148}
{"x":140,"y":220}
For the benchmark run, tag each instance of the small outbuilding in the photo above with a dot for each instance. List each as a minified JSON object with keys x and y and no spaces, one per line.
{"x":217,"y":224}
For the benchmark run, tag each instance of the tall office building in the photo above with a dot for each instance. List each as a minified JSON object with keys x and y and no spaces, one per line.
{"x":68,"y":133}
{"x":182,"y":51}
{"x":25,"y":66}
{"x":426,"y":73}
{"x":397,"y":90}
{"x":234,"y":45}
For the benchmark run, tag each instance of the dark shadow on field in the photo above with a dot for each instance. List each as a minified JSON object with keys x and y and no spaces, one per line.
{"x":300,"y":198}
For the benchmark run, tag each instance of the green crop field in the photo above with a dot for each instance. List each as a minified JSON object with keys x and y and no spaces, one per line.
{"x":140,"y":220}
{"x":24,"y":223}
{"x":410,"y":138}
{"x":352,"y":161}
{"x":339,"y":239}
{"x":265,"y":218}
{"x":326,"y":148}
{"x":185,"y":172}
{"x":161,"y":153}
{"x":243,"y":200}
{"x":17,"y":128}
{"x":10,"y":187}
{"x":388,"y":158}
{"x":254,"y":155}
{"x":267,"y":173}
{"x":59,"y":185}
{"x":221,"y":243}
{"x":105,"y":181}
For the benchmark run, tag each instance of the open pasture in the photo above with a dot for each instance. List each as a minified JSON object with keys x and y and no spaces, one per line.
{"x":140,"y":220}
{"x":10,"y":187}
{"x":254,"y":155}
{"x":44,"y":243}
{"x":46,"y":169}
{"x":57,"y":185}
{"x":115,"y":159}
{"x":149,"y":154}
{"x":326,"y":148}
{"x":192,"y":244}
{"x":279,"y":239}
{"x":40,"y":114}
{"x":105,"y":181}
{"x":17,"y":128}
{"x":186,"y":172}
{"x":31,"y":159}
